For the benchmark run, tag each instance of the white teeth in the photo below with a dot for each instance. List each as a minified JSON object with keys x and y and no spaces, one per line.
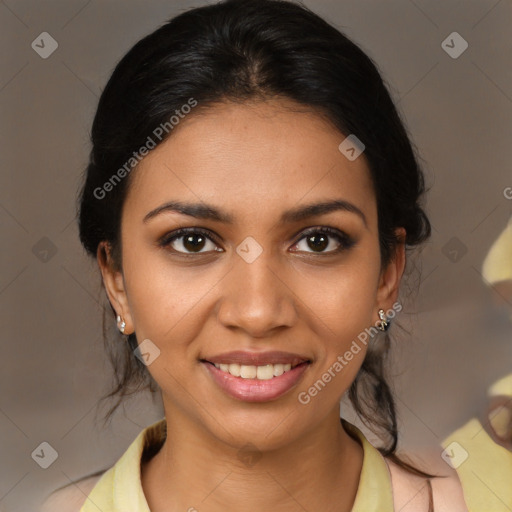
{"x":266,"y":372}
{"x":278,"y":369}
{"x":234,"y":369}
{"x":248,"y":372}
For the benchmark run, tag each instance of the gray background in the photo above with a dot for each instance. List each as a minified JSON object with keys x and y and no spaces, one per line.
{"x":53,"y":368}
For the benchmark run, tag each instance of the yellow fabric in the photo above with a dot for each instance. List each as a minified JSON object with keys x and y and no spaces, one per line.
{"x":374,"y":493}
{"x":497,"y":265}
{"x":120,"y":489}
{"x":486,"y":473}
{"x":501,"y":387}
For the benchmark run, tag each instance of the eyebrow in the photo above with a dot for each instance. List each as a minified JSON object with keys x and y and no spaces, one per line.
{"x":210,"y":212}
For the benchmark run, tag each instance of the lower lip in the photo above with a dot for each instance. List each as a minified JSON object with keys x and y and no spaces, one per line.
{"x":255,"y":390}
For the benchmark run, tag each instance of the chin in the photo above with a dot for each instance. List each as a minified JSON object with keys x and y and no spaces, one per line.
{"x":265,"y":428}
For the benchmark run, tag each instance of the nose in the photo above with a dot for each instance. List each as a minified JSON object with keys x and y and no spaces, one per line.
{"x":256,"y":297}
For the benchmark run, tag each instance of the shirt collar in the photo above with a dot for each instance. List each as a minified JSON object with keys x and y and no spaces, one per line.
{"x":374,"y":493}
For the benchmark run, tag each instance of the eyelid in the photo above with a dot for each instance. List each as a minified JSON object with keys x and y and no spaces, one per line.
{"x":166,"y":239}
{"x":345,"y":240}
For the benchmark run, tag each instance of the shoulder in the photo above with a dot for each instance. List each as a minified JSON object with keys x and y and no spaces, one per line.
{"x":411,"y":493}
{"x":70,"y":498}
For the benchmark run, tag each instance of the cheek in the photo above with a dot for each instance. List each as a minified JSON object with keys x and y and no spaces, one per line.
{"x":342,"y":298}
{"x":341,"y":315}
{"x":165,"y":303}
{"x":161,"y":296}
{"x":341,"y":307}
{"x":171,"y":305}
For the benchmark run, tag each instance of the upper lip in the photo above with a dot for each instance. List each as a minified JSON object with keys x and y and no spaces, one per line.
{"x":257,"y":358}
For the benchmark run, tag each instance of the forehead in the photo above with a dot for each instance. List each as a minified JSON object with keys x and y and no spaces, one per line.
{"x":251,"y":157}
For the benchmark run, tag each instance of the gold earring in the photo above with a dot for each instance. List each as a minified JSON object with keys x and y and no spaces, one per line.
{"x":383,"y":325}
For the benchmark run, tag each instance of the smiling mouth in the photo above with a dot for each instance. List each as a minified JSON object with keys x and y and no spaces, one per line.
{"x":263,"y":372}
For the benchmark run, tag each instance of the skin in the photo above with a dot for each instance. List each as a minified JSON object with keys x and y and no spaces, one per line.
{"x":254,"y":161}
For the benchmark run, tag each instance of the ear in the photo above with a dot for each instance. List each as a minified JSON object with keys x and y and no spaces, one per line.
{"x":113,"y":281}
{"x":391,"y":275}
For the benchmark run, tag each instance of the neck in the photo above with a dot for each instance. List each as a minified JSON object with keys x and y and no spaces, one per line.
{"x":194,"y":471}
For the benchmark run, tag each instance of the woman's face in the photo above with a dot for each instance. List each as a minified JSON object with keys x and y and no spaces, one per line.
{"x":262,"y":275}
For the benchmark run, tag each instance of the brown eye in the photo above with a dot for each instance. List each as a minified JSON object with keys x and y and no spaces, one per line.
{"x":320,"y":239}
{"x":193,"y":243}
{"x":318,"y":242}
{"x":189,"y":241}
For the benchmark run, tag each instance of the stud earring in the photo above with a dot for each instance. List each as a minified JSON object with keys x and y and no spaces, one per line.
{"x":121,"y":324}
{"x":383,"y":325}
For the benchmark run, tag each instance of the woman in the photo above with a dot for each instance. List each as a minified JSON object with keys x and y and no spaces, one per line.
{"x":250,"y":198}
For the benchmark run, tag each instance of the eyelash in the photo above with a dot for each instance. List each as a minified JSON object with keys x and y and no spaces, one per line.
{"x":345,"y":241}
